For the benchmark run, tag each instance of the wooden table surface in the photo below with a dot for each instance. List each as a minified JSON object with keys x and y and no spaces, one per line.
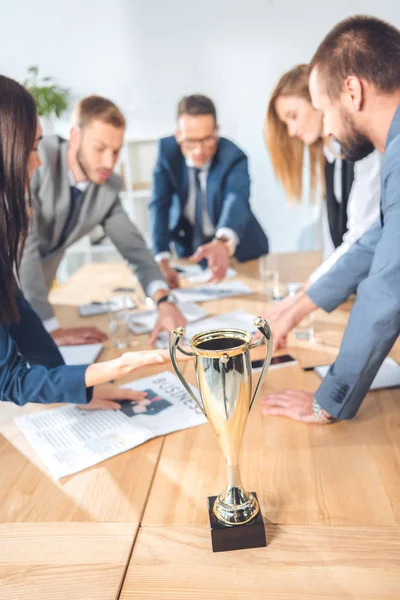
{"x":136,"y":525}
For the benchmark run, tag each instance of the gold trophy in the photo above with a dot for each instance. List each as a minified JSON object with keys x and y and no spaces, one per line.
{"x":223,"y":373}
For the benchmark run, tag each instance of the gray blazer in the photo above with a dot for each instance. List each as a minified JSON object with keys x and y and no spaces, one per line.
{"x":372,"y":265}
{"x":100,"y":206}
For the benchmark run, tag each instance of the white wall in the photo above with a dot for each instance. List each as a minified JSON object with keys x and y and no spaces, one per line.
{"x":146,"y":54}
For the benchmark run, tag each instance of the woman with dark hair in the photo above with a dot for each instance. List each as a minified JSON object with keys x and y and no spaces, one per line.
{"x":31,"y":368}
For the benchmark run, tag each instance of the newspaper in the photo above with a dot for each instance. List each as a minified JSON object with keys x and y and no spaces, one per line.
{"x":68,"y":439}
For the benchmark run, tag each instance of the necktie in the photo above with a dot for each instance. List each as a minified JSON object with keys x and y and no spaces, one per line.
{"x":198,"y":234}
{"x":73,"y":215}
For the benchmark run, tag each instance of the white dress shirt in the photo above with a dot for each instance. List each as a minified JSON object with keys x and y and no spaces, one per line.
{"x":363,"y":207}
{"x":190,"y":208}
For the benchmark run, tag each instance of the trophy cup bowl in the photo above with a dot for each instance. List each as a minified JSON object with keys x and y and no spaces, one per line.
{"x":223,"y":373}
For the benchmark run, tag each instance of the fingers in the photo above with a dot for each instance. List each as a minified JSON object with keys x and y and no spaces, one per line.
{"x":89,"y":332}
{"x":200,"y":253}
{"x":277,"y":400}
{"x":217,"y":276}
{"x":154,"y":335}
{"x":101,"y":403}
{"x":150,"y":357}
{"x":127,"y":394}
{"x":278,"y":342}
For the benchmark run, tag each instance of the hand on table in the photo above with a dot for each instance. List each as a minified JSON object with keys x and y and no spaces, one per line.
{"x":218,"y":258}
{"x":169,"y":318}
{"x":109,"y":397}
{"x":78,"y":336}
{"x":171,"y":277}
{"x":294,"y":404}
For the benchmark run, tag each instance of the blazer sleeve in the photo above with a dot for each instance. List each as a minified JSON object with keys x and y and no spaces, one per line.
{"x":160,"y":203}
{"x":342,"y":279}
{"x":32,"y":339}
{"x":21,"y":382}
{"x":31,"y":274}
{"x":236,"y":210}
{"x":130,"y":243}
{"x":374,"y":323}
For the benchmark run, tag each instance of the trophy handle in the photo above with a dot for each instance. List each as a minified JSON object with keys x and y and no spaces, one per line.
{"x":265,"y":329}
{"x":174,"y":340}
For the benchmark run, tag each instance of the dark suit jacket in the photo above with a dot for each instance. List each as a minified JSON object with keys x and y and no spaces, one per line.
{"x":228,"y":191}
{"x":31,"y":366}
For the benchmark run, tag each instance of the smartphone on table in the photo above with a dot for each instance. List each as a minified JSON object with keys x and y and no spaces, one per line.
{"x":285,"y":360}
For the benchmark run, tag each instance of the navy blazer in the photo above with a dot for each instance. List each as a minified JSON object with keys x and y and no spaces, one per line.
{"x":228,"y":192}
{"x":31,"y":366}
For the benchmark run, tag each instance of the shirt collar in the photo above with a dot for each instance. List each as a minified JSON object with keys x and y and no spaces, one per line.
{"x":333,"y":151}
{"x":394,"y":129}
{"x":81,"y":185}
{"x":205,"y":168}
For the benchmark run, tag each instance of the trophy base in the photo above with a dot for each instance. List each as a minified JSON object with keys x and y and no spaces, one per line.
{"x":236,"y":537}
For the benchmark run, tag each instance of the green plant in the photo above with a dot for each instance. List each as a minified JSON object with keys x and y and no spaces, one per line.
{"x":49,"y":97}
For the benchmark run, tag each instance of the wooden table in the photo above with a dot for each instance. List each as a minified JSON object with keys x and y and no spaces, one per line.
{"x":136,"y":526}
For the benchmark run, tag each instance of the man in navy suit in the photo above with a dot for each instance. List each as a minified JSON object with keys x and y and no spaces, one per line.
{"x":200,"y":195}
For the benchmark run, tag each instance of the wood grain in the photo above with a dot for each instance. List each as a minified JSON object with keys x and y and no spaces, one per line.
{"x":299,"y":563}
{"x":70,"y":561}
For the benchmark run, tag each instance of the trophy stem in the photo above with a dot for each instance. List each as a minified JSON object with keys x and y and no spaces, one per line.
{"x":235,"y":506}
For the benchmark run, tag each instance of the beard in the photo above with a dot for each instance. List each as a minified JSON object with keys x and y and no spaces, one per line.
{"x":355,"y":145}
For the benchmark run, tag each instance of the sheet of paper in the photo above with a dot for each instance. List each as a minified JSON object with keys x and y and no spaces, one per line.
{"x":144,"y":321}
{"x":387,"y":376}
{"x":69,"y":439}
{"x":224,"y":289}
{"x":85,"y":354}
{"x":238,"y":319}
{"x":195,"y":274}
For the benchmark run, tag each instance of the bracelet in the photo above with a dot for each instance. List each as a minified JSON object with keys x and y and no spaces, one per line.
{"x":166,"y":298}
{"x":318,"y":411}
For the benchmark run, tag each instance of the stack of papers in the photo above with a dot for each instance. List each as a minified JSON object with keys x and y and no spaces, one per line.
{"x":224,"y":289}
{"x":69,"y":439}
{"x":144,"y":321}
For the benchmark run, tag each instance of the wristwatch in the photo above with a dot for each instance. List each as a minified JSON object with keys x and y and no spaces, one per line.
{"x":228,"y":243}
{"x":318,"y":411}
{"x":167,"y":298}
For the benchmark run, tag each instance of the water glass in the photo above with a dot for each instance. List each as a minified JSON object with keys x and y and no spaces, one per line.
{"x":119,"y":314}
{"x":269,"y":279}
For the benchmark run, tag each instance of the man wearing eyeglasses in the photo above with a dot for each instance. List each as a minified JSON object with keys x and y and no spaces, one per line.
{"x":200,"y":196}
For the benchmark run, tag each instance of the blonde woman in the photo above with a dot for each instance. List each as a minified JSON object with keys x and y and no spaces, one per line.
{"x":352,"y":190}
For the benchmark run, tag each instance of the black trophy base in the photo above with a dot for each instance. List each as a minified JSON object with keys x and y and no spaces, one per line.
{"x":236,"y":537}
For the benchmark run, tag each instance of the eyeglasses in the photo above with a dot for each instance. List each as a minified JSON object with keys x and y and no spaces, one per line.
{"x":207,"y":142}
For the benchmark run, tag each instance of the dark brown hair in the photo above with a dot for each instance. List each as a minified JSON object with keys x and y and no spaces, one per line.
{"x":97,"y":108}
{"x":287,"y":153}
{"x":17,"y":136}
{"x":363,"y":46}
{"x":196,"y":104}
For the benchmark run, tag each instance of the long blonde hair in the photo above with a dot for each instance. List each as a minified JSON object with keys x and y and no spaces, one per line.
{"x":287,"y":153}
